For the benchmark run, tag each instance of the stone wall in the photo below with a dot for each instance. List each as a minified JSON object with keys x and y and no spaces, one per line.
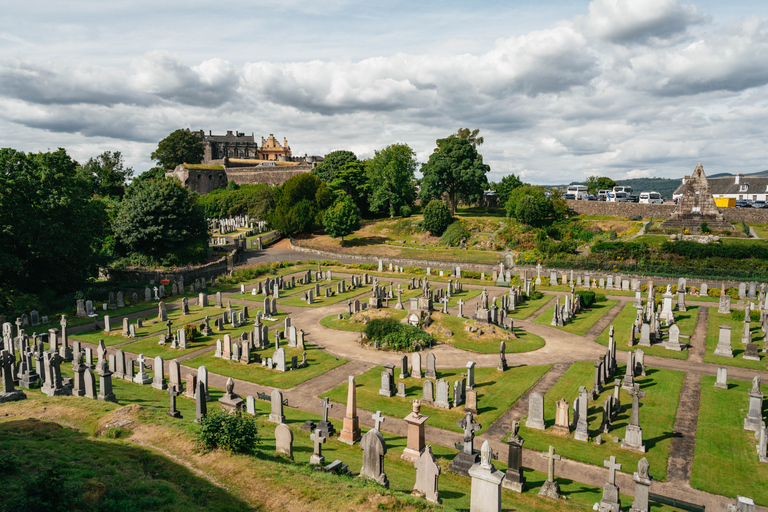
{"x":659,"y":211}
{"x":276,"y":175}
{"x":202,"y":181}
{"x":144,"y":276}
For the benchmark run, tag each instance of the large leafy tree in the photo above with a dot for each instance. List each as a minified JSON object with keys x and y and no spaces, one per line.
{"x":595,"y":183}
{"x":341,"y":219}
{"x":161,"y":222}
{"x":391,"y":175}
{"x":300,"y":204}
{"x":333,"y":161}
{"x":436,"y":217}
{"x":52,"y":228}
{"x":180,"y":147}
{"x":107,"y":174}
{"x":352,"y":179}
{"x":531,"y":205}
{"x":455,"y":168}
{"x":505,"y":187}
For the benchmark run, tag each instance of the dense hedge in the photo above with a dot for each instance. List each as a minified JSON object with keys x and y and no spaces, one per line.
{"x":393,"y":335}
{"x":694,"y":250}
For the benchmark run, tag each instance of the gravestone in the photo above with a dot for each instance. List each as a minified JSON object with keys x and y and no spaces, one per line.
{"x":514,"y":477}
{"x":404,"y":373}
{"x":431,"y":372}
{"x":427,"y":473}
{"x":276,"y":413}
{"x":386,"y":384}
{"x":725,"y":304}
{"x":467,"y":457}
{"x":673,"y":341}
{"x":722,"y":378}
{"x":428,"y":392}
{"x":754,"y":419}
{"x":633,"y":439}
{"x":550,"y":488}
{"x":562,"y":425}
{"x":642,"y":485}
{"x":442,"y":399}
{"x":535,"y":412}
{"x":416,"y":365}
{"x":350,"y":432}
{"x":582,"y":428}
{"x":610,"y":501}
{"x":485,"y":493}
{"x":374,"y":449}
{"x":201,"y":405}
{"x":284,"y":440}
{"x":105,"y":383}
{"x":724,"y":342}
{"x":90,"y":384}
{"x":158,"y":382}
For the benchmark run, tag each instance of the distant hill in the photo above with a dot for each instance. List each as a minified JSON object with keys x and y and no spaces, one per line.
{"x":663,"y":186}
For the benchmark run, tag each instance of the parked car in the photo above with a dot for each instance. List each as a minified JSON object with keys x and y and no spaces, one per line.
{"x":632,"y":198}
{"x":759,"y":204}
{"x":743,"y":203}
{"x":569,"y":196}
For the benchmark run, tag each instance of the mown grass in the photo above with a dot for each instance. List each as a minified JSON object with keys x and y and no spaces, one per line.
{"x":583,"y":321}
{"x":525,"y":341}
{"x":319,"y":363}
{"x":623,"y":323}
{"x":497,"y":392}
{"x":713,"y":333}
{"x":657,"y":418}
{"x":321,"y":300}
{"x":725,"y":460}
{"x":528,"y":307}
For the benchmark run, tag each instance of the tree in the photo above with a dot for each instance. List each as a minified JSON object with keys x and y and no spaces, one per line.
{"x":300,"y":204}
{"x":341,"y":219}
{"x":530,"y":204}
{"x":595,"y":183}
{"x":456,"y":169}
{"x":505,"y":187}
{"x":471,"y":136}
{"x":437,"y":217}
{"x":107,"y":174}
{"x":180,"y":147}
{"x":52,"y":228}
{"x":333,"y":161}
{"x":391,"y":175}
{"x":161,"y":222}
{"x":155,"y":173}
{"x":352,"y":179}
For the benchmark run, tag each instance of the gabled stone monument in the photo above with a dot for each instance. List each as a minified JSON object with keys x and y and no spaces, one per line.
{"x":696,"y":206}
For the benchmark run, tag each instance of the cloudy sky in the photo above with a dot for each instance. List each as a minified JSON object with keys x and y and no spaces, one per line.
{"x":560,"y":90}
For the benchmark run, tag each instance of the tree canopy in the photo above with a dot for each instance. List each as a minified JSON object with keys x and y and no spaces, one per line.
{"x":333,"y":161}
{"x":391,"y":175}
{"x":352,"y":179}
{"x":300,"y":204}
{"x":342,"y":218}
{"x":505,"y":187}
{"x":52,"y":229}
{"x":529,"y":204}
{"x":470,"y":135}
{"x":437,"y":217}
{"x":161,"y":222}
{"x":180,"y":147}
{"x":595,"y":183}
{"x":106,"y":174}
{"x":455,"y":168}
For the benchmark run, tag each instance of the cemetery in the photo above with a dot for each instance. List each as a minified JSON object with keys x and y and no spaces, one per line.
{"x":580,"y":322}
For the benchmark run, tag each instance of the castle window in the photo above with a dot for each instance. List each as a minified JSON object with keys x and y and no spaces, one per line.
{"x":210,"y":176}
{"x":199,"y":176}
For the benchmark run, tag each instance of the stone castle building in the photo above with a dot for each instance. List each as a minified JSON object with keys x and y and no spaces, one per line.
{"x":238,"y":157}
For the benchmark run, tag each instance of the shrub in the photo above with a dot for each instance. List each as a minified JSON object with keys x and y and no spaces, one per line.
{"x":455,"y":233}
{"x":235,"y":433}
{"x":191,"y":331}
{"x":587,"y":298}
{"x":117,"y":433}
{"x":705,"y":228}
{"x":405,"y":211}
{"x":535,"y":295}
{"x":393,"y":335}
{"x":437,"y":217}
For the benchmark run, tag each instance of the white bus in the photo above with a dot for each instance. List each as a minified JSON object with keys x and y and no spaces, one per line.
{"x":579,"y":191}
{"x":623,"y":188}
{"x":651,"y":198}
{"x":602,"y":195}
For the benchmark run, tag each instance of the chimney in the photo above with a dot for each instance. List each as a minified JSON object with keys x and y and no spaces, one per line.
{"x":685,"y":179}
{"x":738,"y":178}
{"x":229,"y":132}
{"x":285,"y":142}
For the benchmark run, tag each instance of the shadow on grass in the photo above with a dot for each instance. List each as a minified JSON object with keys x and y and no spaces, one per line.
{"x":364,"y":241}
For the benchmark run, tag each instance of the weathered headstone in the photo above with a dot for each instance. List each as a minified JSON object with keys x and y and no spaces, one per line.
{"x":427,"y":473}
{"x":284,"y":440}
{"x":485,"y":494}
{"x":276,"y":413}
{"x":374,"y":449}
{"x":535,"y":412}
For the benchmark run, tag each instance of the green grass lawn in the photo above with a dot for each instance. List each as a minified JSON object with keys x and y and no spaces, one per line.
{"x":657,"y":419}
{"x":525,"y":341}
{"x":583,"y":321}
{"x":497,"y":392}
{"x":713,"y":332}
{"x":760,"y":229}
{"x":528,"y":307}
{"x":725,"y":460}
{"x":296,"y":301}
{"x":686,"y":321}
{"x":283,"y":293}
{"x":319,"y":363}
{"x":465,"y":295}
{"x":332,"y":322}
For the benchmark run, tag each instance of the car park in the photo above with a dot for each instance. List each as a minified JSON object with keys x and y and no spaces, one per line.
{"x":759,"y":204}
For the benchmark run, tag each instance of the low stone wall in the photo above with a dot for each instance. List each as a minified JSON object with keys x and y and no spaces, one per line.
{"x":267,"y":175}
{"x":660,"y":211}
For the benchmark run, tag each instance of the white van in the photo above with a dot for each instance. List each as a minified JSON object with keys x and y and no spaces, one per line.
{"x":651,"y":198}
{"x":618,"y":197}
{"x":623,"y":188}
{"x":579,"y":191}
{"x":602,"y":195}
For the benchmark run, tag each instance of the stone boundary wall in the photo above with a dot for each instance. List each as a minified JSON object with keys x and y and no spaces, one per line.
{"x":265,"y":240}
{"x":660,"y":211}
{"x":144,"y":276}
{"x":268,"y":175}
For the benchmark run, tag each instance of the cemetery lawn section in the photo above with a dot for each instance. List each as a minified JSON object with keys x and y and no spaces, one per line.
{"x":623,"y":323}
{"x":489,"y":342}
{"x":582,"y":322}
{"x":465,"y":295}
{"x":657,"y":419}
{"x":496,"y":393}
{"x":713,"y":333}
{"x":528,"y":307}
{"x":322,"y":300}
{"x":350,"y":325}
{"x":319,"y":363}
{"x":725,"y":460}
{"x":283,"y":293}
{"x":135,"y":469}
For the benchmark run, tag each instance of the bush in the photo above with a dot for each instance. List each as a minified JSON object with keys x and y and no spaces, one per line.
{"x":393,"y":335}
{"x":117,"y":433}
{"x":587,"y":298}
{"x":738,"y":315}
{"x":535,"y":295}
{"x":235,"y":433}
{"x":191,"y":331}
{"x":705,"y":228}
{"x":405,"y":211}
{"x":455,"y":233}
{"x":437,"y":217}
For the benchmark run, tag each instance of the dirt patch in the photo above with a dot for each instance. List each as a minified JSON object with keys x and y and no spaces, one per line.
{"x":363,"y":317}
